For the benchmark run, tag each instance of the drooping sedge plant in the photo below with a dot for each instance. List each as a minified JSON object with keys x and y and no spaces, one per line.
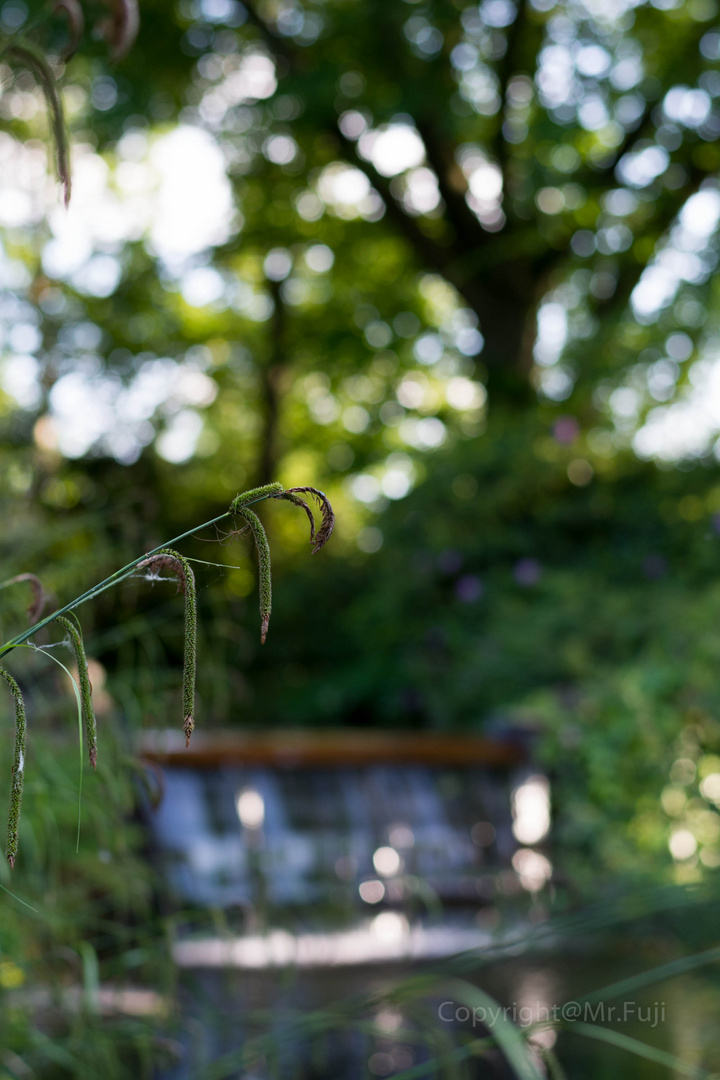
{"x":318,"y":539}
{"x":119,"y":28}
{"x":162,"y":557}
{"x":25,"y":54}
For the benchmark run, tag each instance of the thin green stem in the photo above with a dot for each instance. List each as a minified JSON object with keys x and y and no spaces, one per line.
{"x":19,"y":899}
{"x":76,"y":688}
{"x":204,"y":562}
{"x":78,"y":697}
{"x":74,"y":629}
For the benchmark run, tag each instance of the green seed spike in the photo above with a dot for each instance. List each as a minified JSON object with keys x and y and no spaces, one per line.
{"x":171,"y":560}
{"x":263,"y":553}
{"x":74,"y":629}
{"x":18,"y":770}
{"x":30,"y":57}
{"x":254,"y":495}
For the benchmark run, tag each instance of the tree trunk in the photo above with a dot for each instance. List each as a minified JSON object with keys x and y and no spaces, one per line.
{"x":509,"y":328}
{"x":271,"y":375}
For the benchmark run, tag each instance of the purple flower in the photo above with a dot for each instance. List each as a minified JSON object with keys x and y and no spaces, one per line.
{"x":566,"y":429}
{"x":527,"y":572}
{"x":469,"y":588}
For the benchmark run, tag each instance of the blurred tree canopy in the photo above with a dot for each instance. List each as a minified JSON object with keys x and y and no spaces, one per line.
{"x":451,"y":263}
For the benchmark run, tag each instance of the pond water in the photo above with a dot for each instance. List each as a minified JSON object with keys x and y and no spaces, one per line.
{"x":386,"y":1020}
{"x":325,"y":916}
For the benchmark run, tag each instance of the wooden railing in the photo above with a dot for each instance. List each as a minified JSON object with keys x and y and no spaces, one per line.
{"x":332,"y":748}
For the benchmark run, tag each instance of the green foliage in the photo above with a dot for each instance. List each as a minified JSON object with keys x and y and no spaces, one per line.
{"x":90,"y":909}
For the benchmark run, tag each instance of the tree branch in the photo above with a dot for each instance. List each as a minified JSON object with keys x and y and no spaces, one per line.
{"x":631,"y":272}
{"x":467,"y":227}
{"x":505,"y":70}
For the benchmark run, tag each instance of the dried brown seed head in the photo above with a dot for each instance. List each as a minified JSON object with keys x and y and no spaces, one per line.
{"x":327,"y":523}
{"x":76,"y":25}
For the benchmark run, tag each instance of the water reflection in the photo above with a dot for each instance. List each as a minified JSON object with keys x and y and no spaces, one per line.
{"x":388,"y":936}
{"x":531,"y":810}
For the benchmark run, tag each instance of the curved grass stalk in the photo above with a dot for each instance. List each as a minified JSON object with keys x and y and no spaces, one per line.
{"x":74,"y":629}
{"x":19,"y":899}
{"x":640,"y":1049}
{"x":30,"y":57}
{"x":508,"y":1038}
{"x":78,"y":698}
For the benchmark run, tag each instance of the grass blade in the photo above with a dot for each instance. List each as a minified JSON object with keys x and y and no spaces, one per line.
{"x":506,"y":1035}
{"x":71,"y":624}
{"x":76,"y":688}
{"x":640,"y":1049}
{"x":658,"y":974}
